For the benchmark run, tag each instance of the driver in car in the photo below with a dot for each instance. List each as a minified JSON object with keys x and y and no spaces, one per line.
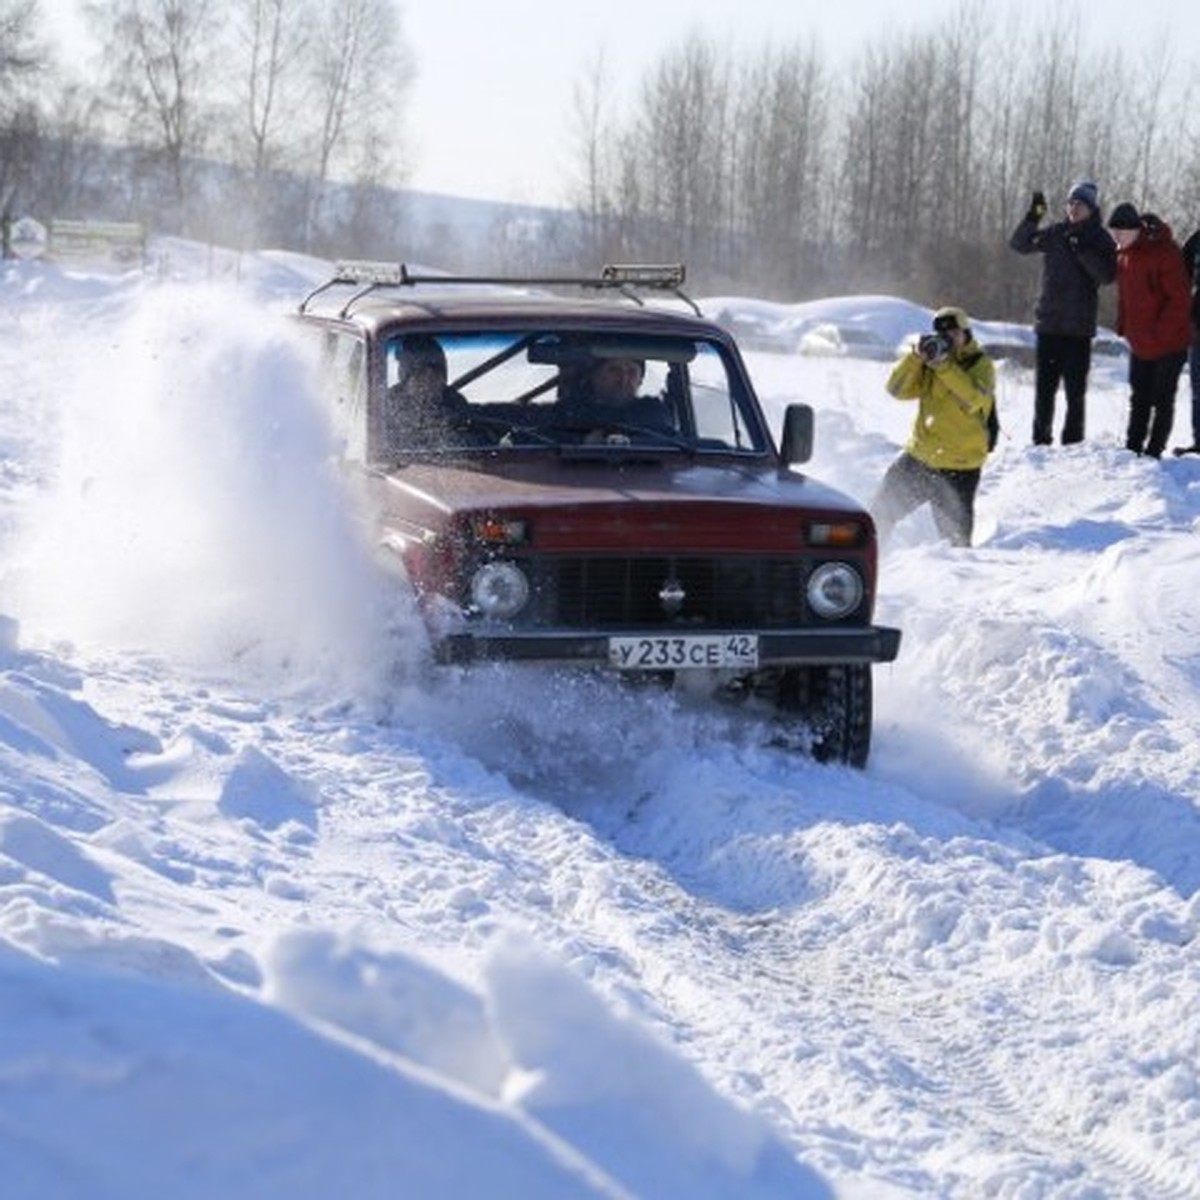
{"x":611,"y":399}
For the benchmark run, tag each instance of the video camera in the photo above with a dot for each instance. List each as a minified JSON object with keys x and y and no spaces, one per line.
{"x":934,"y":348}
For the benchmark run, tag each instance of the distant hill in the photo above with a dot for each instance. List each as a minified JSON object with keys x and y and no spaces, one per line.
{"x":124,"y":183}
{"x":470,"y":214}
{"x":461,"y":232}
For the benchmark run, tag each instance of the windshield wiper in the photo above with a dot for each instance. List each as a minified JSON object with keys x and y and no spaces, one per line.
{"x":660,"y":438}
{"x":510,"y":428}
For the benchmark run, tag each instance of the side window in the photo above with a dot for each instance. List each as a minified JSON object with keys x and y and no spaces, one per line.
{"x":716,"y":405}
{"x":346,"y":390}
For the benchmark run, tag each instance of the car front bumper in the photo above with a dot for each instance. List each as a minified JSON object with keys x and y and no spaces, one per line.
{"x":776,"y":648}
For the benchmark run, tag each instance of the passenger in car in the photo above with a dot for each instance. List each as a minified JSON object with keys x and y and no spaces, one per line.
{"x":420,"y":409}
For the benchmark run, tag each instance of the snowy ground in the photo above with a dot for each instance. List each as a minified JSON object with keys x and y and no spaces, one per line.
{"x":278,"y":922}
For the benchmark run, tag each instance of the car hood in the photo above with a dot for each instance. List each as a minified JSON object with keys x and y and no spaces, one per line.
{"x":640,"y":504}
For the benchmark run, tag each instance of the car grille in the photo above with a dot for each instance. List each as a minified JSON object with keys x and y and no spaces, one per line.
{"x":624,"y":592}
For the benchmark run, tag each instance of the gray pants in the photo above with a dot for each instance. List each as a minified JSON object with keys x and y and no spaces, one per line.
{"x":909,"y":483}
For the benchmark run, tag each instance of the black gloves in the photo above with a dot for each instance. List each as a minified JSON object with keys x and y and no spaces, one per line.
{"x":1037,"y":208}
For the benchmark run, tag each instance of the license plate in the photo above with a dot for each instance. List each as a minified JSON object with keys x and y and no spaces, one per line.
{"x":667,"y":653}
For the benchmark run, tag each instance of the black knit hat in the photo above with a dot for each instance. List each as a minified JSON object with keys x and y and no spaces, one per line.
{"x":1124,"y":216}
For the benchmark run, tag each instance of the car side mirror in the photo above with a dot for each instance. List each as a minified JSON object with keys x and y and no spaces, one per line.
{"x":797,"y":443}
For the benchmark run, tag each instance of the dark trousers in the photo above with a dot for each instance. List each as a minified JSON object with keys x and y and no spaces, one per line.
{"x":1152,"y":384}
{"x":1063,"y":359}
{"x":908,"y":483}
{"x":1194,"y":371}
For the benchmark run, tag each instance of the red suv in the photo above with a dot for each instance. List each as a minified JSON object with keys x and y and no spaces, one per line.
{"x":590,"y":483}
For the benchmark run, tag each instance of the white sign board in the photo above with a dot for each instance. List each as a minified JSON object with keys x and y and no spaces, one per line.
{"x":27,"y":238}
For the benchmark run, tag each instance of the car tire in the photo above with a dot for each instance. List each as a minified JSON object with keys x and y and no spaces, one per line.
{"x":836,"y":704}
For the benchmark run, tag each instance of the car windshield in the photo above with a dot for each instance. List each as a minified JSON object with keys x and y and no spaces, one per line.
{"x":563,"y":390}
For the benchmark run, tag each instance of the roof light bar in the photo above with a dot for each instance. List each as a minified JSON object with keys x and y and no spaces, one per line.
{"x":364,"y":270}
{"x":368,"y":274}
{"x":664,"y":275}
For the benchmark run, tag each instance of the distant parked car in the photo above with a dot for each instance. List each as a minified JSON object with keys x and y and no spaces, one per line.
{"x":538,"y":520}
{"x":1022,"y":354}
{"x":845,"y":341}
{"x":754,"y":331}
{"x":1018,"y":345}
{"x":1108,"y":345}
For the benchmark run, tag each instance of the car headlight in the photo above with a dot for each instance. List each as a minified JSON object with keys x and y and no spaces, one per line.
{"x":499,"y":590}
{"x":834,"y":590}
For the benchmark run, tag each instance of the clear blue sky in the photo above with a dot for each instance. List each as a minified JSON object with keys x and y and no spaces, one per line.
{"x":490,"y":113}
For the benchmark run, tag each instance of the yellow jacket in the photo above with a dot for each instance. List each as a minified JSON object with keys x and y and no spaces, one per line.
{"x":950,"y":432}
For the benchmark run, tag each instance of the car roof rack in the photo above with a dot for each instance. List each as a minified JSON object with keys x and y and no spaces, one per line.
{"x":369,"y":276}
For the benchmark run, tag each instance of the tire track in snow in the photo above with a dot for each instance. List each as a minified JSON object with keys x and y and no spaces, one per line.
{"x":707,"y":977}
{"x":892,"y":1008}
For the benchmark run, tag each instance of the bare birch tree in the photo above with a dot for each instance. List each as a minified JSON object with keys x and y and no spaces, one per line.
{"x":863,"y":166}
{"x":891,"y":153}
{"x":21,"y":55}
{"x":358,"y":68}
{"x":1147,"y":124}
{"x":1054,"y":86}
{"x":269,"y":40}
{"x":157,"y":60}
{"x":21,"y":58}
{"x":780,"y":166}
{"x":591,"y":190}
{"x":680,"y":146}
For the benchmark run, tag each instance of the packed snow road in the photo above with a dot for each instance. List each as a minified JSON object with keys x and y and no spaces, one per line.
{"x":816,"y":941}
{"x":971,"y":969}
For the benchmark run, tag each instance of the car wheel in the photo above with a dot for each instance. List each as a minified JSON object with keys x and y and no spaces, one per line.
{"x":835,"y":704}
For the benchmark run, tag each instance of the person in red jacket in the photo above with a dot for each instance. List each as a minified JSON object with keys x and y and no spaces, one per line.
{"x":1153,"y":303}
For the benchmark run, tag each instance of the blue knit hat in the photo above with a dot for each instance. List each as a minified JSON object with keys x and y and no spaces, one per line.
{"x":1086,"y":191}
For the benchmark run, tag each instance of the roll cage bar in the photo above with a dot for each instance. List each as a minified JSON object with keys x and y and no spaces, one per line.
{"x":369,"y":276}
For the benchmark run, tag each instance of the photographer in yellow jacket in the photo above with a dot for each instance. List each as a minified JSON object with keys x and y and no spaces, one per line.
{"x":954,"y":383}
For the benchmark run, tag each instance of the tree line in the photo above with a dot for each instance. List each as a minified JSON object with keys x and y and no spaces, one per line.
{"x":223,"y":119}
{"x":769,"y":173}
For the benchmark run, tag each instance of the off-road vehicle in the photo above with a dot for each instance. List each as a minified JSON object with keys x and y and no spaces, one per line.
{"x":544,"y":515}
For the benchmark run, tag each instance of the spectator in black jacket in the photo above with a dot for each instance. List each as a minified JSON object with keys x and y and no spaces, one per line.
{"x":1078,"y":256}
{"x":1191,"y":260}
